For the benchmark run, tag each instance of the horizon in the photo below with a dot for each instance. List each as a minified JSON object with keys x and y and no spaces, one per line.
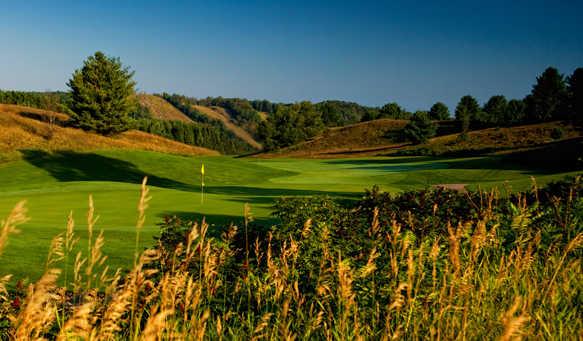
{"x":369,"y":53}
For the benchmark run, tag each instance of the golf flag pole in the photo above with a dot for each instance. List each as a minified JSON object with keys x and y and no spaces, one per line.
{"x":202,"y":184}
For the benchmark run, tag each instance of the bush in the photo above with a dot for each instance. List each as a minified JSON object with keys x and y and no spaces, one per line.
{"x":557,"y":133}
{"x":420,"y":128}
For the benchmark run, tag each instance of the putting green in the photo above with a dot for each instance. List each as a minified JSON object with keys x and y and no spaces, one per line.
{"x":56,"y":183}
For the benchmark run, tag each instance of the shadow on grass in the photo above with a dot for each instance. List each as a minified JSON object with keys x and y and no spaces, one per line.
{"x":72,"y":166}
{"x":67,"y":166}
{"x":545,"y":160}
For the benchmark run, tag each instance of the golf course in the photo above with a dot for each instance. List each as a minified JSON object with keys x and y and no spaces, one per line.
{"x":54,"y":184}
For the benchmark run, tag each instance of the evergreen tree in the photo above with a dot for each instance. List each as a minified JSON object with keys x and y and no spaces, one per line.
{"x":466,"y":110}
{"x":575,"y":88}
{"x":548,"y":97}
{"x":102,"y":95}
{"x":494,"y":111}
{"x":515,"y":111}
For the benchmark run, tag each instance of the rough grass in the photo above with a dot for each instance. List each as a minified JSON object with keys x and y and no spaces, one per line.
{"x":496,"y":139}
{"x":382,"y":137}
{"x":219,"y":114}
{"x":20,"y":132}
{"x":355,"y":140}
{"x":161,"y":109}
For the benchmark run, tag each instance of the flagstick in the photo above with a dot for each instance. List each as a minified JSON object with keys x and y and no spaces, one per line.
{"x":202,"y":189}
{"x":202,"y":184}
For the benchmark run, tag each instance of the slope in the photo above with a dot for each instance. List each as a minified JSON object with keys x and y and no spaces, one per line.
{"x":161,"y":109}
{"x":495,"y":140}
{"x":219,"y":114}
{"x":359,"y":139}
{"x":28,"y":128}
{"x":382,"y":138}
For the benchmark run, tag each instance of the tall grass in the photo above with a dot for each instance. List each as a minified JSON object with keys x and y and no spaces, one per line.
{"x":473,"y":283}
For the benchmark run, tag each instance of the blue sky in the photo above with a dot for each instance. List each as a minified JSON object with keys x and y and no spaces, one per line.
{"x":370,"y":52}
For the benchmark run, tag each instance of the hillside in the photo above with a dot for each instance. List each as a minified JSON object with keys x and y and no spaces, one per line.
{"x":381,"y":138}
{"x":28,"y":128}
{"x":219,"y":114}
{"x":161,"y":109}
{"x":494,"y":140}
{"x":359,"y":139}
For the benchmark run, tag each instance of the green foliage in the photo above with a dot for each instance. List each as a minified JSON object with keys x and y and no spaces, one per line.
{"x":242,"y":111}
{"x":50,"y":100}
{"x":420,"y":128}
{"x":290,"y":125}
{"x":101,"y":95}
{"x":575,"y":93}
{"x":515,"y":112}
{"x":466,"y":110}
{"x":494,"y":112}
{"x":394,"y":111}
{"x":340,"y":113}
{"x":547,"y":100}
{"x":558,"y":133}
{"x":439,"y":112}
{"x":195,"y":134}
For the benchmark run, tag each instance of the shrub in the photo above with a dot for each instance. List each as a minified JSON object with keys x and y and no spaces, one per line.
{"x":420,"y":128}
{"x":557,"y":133}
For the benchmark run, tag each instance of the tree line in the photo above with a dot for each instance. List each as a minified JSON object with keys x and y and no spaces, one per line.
{"x":101,"y":99}
{"x":553,"y":97}
{"x":195,"y":134}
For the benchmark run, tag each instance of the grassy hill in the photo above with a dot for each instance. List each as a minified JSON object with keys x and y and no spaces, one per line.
{"x":382,"y":138}
{"x":360,"y":139}
{"x":28,"y":128}
{"x":493,"y":140}
{"x":161,"y":109}
{"x":220,"y":114}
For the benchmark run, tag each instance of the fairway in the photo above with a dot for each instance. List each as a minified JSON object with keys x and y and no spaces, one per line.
{"x":55,"y":184}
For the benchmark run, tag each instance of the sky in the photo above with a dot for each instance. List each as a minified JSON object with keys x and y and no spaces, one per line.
{"x":371,"y":52}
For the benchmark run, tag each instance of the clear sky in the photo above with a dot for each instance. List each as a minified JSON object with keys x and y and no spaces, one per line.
{"x":371,"y":52}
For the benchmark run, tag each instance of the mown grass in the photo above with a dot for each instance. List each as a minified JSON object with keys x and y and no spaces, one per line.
{"x":56,"y":183}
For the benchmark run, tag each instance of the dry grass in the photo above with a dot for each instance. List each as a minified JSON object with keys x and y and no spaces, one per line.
{"x":19,"y":132}
{"x":355,"y":140}
{"x":474,"y":285}
{"x":380,"y":137}
{"x":500,"y":139}
{"x":219,"y":114}
{"x":161,"y":109}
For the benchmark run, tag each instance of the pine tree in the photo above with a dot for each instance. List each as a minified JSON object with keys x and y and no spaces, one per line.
{"x":548,"y":98}
{"x":102,"y":95}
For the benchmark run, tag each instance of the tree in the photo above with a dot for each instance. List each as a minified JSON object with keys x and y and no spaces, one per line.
{"x":466,"y":110}
{"x":102,"y":95}
{"x":420,"y":128}
{"x":494,"y":111}
{"x":514,"y":112}
{"x":439,"y":111}
{"x":547,"y":99}
{"x":394,"y":111}
{"x":289,"y":125}
{"x":575,"y":90}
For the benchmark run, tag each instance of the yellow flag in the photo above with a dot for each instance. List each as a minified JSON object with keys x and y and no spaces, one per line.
{"x":202,"y":169}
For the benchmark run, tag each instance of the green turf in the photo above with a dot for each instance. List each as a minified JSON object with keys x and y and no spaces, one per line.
{"x":54,"y":184}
